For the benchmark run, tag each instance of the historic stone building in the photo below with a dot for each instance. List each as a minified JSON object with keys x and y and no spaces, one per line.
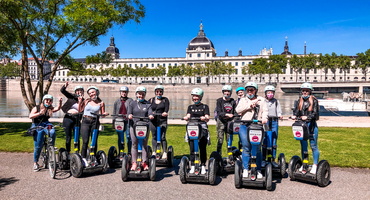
{"x":201,"y":50}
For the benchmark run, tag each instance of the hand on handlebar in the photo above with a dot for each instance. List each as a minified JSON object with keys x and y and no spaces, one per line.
{"x":130,"y":116}
{"x":164,"y":114}
{"x":151,"y":117}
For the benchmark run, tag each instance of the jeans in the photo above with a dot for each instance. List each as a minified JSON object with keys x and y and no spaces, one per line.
{"x":274,"y":128}
{"x":39,"y":139}
{"x":153,"y":129}
{"x":246,"y":146}
{"x":221,"y":131}
{"x":313,"y":143}
{"x":121,"y":135}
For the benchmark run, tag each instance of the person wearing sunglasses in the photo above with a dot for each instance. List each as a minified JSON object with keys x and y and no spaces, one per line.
{"x":307,"y":109}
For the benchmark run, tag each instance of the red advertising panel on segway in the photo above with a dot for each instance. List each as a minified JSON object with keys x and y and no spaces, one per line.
{"x":300,"y":130}
{"x":119,"y":124}
{"x":236,"y":127}
{"x":141,"y":129}
{"x":192,"y":129}
{"x":255,"y":134}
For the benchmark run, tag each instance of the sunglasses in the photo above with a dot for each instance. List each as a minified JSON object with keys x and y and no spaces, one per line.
{"x":305,"y":90}
{"x":250,"y":90}
{"x":159,"y":91}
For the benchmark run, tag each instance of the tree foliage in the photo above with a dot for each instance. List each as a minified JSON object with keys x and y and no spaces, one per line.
{"x":52,"y":29}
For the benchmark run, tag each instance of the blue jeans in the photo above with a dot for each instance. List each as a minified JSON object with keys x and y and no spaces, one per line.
{"x":121,"y":135}
{"x":246,"y":146}
{"x":274,"y":129}
{"x":313,"y":144}
{"x":39,"y":139}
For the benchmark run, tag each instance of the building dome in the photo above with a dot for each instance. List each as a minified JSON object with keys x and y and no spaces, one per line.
{"x":112,"y":49}
{"x":200,"y":41}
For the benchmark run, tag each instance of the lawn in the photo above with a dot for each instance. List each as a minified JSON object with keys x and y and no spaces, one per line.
{"x":342,"y":147}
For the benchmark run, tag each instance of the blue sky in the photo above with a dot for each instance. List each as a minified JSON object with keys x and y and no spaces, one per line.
{"x":327,"y":26}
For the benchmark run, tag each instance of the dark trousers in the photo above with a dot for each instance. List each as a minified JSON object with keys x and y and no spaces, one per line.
{"x":69,"y":123}
{"x":202,"y":150}
{"x":87,"y":127}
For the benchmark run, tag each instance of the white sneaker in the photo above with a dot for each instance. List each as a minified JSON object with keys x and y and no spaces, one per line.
{"x":313,"y":169}
{"x":154,"y":154}
{"x":85,"y":162}
{"x":263,"y":163}
{"x":259,"y":175}
{"x":36,"y":167}
{"x":203,"y":171}
{"x":301,"y":168}
{"x":164,"y":155}
{"x":245,"y":173}
{"x":192,"y":169}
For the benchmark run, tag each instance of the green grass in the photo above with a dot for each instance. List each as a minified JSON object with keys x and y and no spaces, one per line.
{"x":342,"y":147}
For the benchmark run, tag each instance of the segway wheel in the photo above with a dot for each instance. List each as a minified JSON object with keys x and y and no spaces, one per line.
{"x":125,"y":168}
{"x":238,"y":174}
{"x":112,"y":154}
{"x":44,"y":160}
{"x":184,"y":165}
{"x":152,"y":169}
{"x":101,"y":157}
{"x":212,"y":166}
{"x":76,"y":165}
{"x":52,"y":164}
{"x":282,"y":165}
{"x":294,"y":164}
{"x":218,"y":160}
{"x":63,"y":159}
{"x":170,"y":153}
{"x":268,"y":176}
{"x":323,"y":173}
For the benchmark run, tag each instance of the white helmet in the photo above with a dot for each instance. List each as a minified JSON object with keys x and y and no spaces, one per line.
{"x":251,"y":84}
{"x":197,"y":91}
{"x":270,"y":88}
{"x":227,"y":88}
{"x":47,"y":96}
{"x":141,"y":89}
{"x":124,"y":89}
{"x":307,"y":86}
{"x":95,"y":88}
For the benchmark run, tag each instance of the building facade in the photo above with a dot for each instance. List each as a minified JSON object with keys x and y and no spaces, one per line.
{"x":201,"y":50}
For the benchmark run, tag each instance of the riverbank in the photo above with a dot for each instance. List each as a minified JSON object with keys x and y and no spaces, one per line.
{"x":362,"y":122}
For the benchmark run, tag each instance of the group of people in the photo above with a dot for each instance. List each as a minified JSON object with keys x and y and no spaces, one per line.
{"x":248,"y":106}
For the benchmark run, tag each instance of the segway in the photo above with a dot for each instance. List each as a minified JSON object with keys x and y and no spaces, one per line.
{"x":233,"y":152}
{"x":255,"y":136}
{"x":322,"y":176}
{"x":280,"y":169}
{"x":170,"y":152}
{"x":115,"y":159}
{"x":96,"y":163}
{"x":193,"y":129}
{"x":141,"y":129}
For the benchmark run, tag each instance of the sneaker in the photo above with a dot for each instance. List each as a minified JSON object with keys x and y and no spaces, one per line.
{"x":274,"y":164}
{"x":245,"y":173}
{"x":263,"y":164}
{"x":192,"y":169}
{"x":164,"y":155}
{"x":133,"y":166}
{"x":313,"y":169}
{"x":301,"y":168}
{"x":85,"y":162}
{"x":259,"y":175}
{"x":36,"y":167}
{"x":203,"y":171}
{"x":154,"y":154}
{"x":145,"y":166}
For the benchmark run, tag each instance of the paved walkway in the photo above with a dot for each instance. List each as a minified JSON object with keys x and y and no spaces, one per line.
{"x":323,"y":122}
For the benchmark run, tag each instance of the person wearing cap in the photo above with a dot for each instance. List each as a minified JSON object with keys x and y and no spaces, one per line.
{"x":160,"y":105}
{"x":251,"y":107}
{"x":225,"y":108}
{"x":70,"y":108}
{"x":120,"y":107}
{"x":139,"y":108}
{"x":92,"y":104}
{"x":274,"y":114}
{"x":308,"y":110}
{"x":201,"y":111}
{"x":240,"y":92}
{"x":40,"y":115}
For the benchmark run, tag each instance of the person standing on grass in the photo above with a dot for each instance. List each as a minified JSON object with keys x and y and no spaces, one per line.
{"x":308,"y":110}
{"x":40,"y":115}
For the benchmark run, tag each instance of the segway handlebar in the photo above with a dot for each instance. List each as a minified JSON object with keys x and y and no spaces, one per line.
{"x":119,"y":115}
{"x":99,"y":115}
{"x":251,"y":121}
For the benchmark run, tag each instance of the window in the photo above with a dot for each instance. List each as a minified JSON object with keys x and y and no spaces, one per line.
{"x":243,"y":63}
{"x":207,"y":54}
{"x":190,"y":55}
{"x":164,"y":65}
{"x":198,"y":55}
{"x":236,"y":63}
{"x":152,"y":65}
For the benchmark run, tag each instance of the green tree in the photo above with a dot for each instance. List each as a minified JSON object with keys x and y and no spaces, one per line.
{"x":296,"y":65}
{"x":363,"y":62}
{"x":258,"y":67}
{"x":309,"y":62}
{"x":10,"y":70}
{"x":276,"y":64}
{"x":36,"y":28}
{"x":325,"y":63}
{"x":344,"y":63}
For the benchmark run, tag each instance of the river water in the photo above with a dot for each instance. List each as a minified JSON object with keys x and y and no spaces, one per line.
{"x":12,"y":105}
